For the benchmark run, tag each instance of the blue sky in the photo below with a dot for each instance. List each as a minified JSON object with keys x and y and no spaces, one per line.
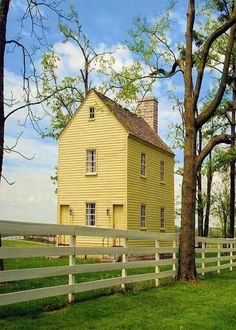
{"x":32,"y":196}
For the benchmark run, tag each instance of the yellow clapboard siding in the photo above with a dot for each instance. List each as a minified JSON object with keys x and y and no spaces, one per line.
{"x":118,"y":180}
{"x":149,"y":190}
{"x":108,"y":187}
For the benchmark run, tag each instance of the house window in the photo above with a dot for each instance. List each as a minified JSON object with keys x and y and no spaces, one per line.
{"x":91,"y":163}
{"x":143,"y":164}
{"x":143,"y":216}
{"x":162,"y":218}
{"x":90,"y":214}
{"x":162,"y":171}
{"x":91,"y":113}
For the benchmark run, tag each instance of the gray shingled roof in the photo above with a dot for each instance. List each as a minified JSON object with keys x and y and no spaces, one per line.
{"x":135,"y":125}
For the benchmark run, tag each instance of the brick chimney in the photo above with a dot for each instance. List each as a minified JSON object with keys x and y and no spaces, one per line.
{"x":148,"y":110}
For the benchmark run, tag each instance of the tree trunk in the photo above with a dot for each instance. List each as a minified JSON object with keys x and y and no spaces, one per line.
{"x":4,"y":7}
{"x":232,"y":164}
{"x":208,"y":198}
{"x":200,"y":210}
{"x":187,"y":268}
{"x":200,"y":204}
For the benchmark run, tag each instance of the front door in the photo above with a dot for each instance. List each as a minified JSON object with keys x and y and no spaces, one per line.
{"x":64,"y":220}
{"x":118,"y":221}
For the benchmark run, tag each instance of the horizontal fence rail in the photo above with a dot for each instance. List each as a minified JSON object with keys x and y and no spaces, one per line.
{"x":27,"y":228}
{"x":211,"y":255}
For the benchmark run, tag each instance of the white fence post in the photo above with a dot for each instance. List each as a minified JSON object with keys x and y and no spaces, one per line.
{"x":157,"y":258}
{"x":218,"y":256}
{"x":174,"y":254}
{"x":203,"y":257}
{"x":231,"y":256}
{"x":124,"y":259}
{"x":72,"y":262}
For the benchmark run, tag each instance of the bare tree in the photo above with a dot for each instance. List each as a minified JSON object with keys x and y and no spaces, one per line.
{"x":35,"y":15}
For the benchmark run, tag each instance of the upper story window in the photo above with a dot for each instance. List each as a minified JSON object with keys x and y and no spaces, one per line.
{"x":91,"y":113}
{"x":162,"y":171}
{"x":90,"y":214}
{"x":143,"y":216}
{"x":91,"y":161}
{"x":162,"y":218}
{"x":143,"y":164}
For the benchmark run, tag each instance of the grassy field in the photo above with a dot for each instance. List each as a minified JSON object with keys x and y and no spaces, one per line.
{"x":208,"y":304}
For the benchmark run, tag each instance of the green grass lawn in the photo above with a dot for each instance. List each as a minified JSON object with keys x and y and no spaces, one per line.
{"x":208,"y":304}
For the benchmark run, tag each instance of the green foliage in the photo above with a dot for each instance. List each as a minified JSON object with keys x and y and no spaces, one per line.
{"x":150,"y":42}
{"x":224,"y":7}
{"x":221,"y":203}
{"x":215,"y":12}
{"x":222,"y":159}
{"x":67,"y":92}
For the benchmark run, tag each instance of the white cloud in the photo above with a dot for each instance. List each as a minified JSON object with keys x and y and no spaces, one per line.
{"x":15,"y":98}
{"x":71,"y":59}
{"x":121,"y":54}
{"x":14,"y":91}
{"x":32,"y":197}
{"x":44,"y":154}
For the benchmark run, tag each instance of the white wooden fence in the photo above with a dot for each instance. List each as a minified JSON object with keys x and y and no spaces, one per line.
{"x":16,"y":228}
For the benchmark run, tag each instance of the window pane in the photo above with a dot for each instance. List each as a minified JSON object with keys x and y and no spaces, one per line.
{"x":143,"y":216}
{"x":162,"y":218}
{"x":143,"y":164}
{"x":91,"y":113}
{"x":162,"y":170}
{"x":90,"y":214}
{"x":91,"y":161}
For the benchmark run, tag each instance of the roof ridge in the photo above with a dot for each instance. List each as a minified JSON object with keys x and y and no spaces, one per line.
{"x":117,"y":104}
{"x":134,"y":124}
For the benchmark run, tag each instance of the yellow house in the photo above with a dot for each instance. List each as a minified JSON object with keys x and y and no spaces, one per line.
{"x":114,"y":171}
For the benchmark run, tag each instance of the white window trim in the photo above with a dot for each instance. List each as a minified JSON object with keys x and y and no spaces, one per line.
{"x":143,"y":216}
{"x":162,"y":171}
{"x":95,"y":214}
{"x":162,"y":218}
{"x":86,"y":162}
{"x":143,"y":165}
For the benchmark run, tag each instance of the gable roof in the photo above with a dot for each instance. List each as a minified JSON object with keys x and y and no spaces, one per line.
{"x":135,"y":125}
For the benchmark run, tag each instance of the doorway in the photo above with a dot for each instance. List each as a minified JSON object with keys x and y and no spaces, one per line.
{"x":64,"y":220}
{"x":118,"y":222}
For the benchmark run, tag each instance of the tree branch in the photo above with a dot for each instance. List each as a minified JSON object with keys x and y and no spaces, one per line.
{"x":215,"y":140}
{"x":188,"y":75}
{"x":25,"y":54}
{"x":29,"y":104}
{"x":206,"y":48}
{"x":7,"y":181}
{"x":206,"y":114}
{"x":168,"y":74}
